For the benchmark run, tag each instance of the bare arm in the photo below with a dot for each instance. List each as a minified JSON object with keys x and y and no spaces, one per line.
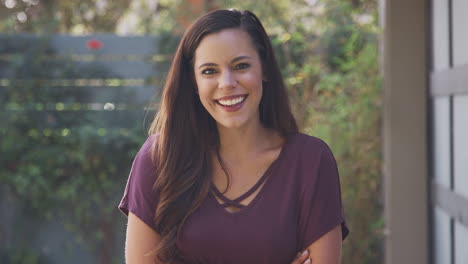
{"x":326,"y":250}
{"x":141,"y":239}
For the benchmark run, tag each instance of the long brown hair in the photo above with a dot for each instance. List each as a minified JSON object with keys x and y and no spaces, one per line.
{"x":188,"y":135}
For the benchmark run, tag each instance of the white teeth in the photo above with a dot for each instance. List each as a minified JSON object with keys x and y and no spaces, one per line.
{"x":232,"y":101}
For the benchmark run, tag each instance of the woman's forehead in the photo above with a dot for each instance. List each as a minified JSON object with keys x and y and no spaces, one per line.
{"x":225,"y":45}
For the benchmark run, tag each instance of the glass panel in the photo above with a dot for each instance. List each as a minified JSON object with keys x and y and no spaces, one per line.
{"x":460,"y":116}
{"x":441,"y":231}
{"x":441,"y":139}
{"x":440,"y":35}
{"x":460,"y":38}
{"x":461,"y":242}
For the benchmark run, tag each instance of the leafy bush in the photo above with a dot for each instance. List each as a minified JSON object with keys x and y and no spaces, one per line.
{"x":59,"y":160}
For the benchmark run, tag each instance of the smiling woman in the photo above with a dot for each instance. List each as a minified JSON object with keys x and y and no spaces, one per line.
{"x":229,"y":78}
{"x":225,"y":124}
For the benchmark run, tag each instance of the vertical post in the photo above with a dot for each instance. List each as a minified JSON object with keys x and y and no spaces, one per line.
{"x":405,"y":130}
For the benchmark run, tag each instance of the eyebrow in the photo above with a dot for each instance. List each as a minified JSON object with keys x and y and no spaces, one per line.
{"x":233,"y":61}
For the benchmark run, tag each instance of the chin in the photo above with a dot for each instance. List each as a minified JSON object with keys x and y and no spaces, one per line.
{"x":233,"y":124}
{"x":229,"y":125}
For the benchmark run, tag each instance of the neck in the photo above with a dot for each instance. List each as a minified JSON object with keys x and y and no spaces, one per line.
{"x":242,"y":143}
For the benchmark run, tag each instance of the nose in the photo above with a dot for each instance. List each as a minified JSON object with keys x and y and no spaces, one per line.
{"x":227,"y":80}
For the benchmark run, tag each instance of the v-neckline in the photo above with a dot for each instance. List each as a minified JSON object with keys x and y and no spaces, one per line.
{"x":261,"y":183}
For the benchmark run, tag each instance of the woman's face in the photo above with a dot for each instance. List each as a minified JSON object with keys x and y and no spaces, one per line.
{"x":228,"y":74}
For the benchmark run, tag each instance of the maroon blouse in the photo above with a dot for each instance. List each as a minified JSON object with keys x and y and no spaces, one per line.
{"x":299,"y":202}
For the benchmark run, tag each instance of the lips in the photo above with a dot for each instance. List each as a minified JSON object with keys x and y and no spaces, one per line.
{"x":231,"y":100}
{"x":231,"y":103}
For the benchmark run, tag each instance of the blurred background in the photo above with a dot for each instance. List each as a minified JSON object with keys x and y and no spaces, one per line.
{"x":79,"y":85}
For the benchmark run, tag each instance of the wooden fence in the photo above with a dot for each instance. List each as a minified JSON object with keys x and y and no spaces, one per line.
{"x":71,"y":107}
{"x":114,"y":77}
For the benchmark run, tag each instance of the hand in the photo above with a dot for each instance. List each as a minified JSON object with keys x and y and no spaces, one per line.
{"x":302,"y":258}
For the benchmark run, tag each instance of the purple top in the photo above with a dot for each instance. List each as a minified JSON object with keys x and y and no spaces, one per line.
{"x":299,"y":202}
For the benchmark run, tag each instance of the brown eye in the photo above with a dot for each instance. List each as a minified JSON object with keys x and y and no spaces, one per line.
{"x":242,"y":66}
{"x":208,"y":71}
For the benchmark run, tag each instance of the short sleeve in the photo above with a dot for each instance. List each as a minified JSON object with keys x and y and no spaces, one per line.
{"x":139,"y":196}
{"x":320,"y":205}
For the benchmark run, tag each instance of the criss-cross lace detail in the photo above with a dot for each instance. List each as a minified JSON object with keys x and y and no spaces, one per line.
{"x":256,"y":190}
{"x":237,"y":202}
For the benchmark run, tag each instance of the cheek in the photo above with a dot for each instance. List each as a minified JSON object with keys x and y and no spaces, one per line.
{"x":205,"y":93}
{"x":254,"y":82}
{"x":204,"y":98}
{"x":254,"y":78}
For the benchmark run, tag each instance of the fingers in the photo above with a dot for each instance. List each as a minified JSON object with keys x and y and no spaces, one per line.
{"x":302,"y":258}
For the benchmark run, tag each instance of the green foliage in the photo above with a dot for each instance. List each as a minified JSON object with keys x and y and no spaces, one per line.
{"x":348,"y":117}
{"x":20,"y":255}
{"x":62,"y":163}
{"x":51,"y":16}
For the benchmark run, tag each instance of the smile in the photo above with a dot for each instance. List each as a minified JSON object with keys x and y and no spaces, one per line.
{"x":231,"y":101}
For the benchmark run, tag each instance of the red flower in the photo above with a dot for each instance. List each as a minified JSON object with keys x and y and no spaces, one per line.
{"x":94,"y":44}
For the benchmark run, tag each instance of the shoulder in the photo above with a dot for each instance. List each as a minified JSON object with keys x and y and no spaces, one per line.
{"x":146,"y":150}
{"x":144,"y":165}
{"x":148,"y":144}
{"x":308,"y":146}
{"x":140,"y":197}
{"x":312,"y":158}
